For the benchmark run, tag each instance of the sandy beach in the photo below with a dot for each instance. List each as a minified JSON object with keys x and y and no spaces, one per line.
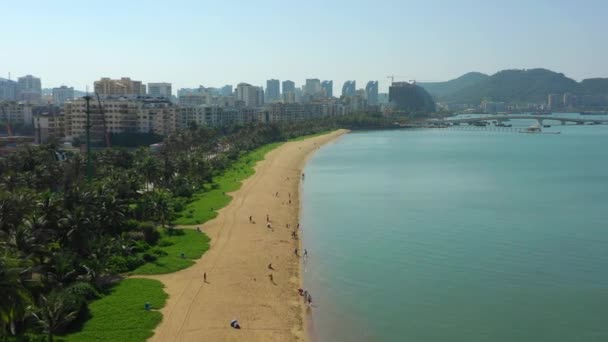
{"x":238,"y":284}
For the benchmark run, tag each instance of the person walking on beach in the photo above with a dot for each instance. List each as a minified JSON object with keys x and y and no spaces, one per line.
{"x":267,"y":218}
{"x":305,"y":253}
{"x":296,"y":252}
{"x":205,"y":277}
{"x":250,"y":219}
{"x":270,"y":277}
{"x":303,"y":176}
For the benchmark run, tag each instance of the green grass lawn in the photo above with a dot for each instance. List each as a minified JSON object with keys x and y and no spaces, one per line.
{"x":205,"y":204}
{"x":309,"y":136}
{"x":190,"y":242}
{"x":120,"y":316}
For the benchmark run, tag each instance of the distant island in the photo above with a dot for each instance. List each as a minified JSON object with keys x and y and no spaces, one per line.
{"x":524,"y":86}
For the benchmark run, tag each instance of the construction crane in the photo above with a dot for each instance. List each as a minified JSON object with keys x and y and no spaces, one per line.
{"x":106,"y":135}
{"x":392,"y":77}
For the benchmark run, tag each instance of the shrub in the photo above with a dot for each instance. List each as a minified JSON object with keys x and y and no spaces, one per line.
{"x":151,"y":234}
{"x":83,"y":289}
{"x":149,"y":257}
{"x":157,"y":251}
{"x":131,"y":225}
{"x":117,"y":264}
{"x":164,"y":243}
{"x":140,"y":246}
{"x":134,"y":262}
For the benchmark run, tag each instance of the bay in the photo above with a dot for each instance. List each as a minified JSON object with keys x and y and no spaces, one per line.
{"x":447,"y":235}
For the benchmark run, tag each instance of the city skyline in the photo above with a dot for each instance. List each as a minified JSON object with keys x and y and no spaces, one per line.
{"x":434,"y":41}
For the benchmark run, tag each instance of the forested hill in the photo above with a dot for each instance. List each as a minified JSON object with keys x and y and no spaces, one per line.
{"x":440,"y":89}
{"x":513,"y":86}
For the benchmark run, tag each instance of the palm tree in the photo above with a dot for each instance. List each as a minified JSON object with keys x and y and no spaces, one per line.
{"x":150,"y":169}
{"x":15,"y":297}
{"x":54,"y":313}
{"x":158,"y":206}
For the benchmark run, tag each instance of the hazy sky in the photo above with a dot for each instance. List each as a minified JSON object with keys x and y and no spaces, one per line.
{"x":189,"y":43}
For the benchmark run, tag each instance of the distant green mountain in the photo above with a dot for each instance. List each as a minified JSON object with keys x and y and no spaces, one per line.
{"x":515,"y":86}
{"x":593,"y":86}
{"x":440,"y":89}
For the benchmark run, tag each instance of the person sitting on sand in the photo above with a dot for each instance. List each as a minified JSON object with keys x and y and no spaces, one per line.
{"x":268,"y":225}
{"x":270,"y":266}
{"x":235,"y":324}
{"x":301,"y":291}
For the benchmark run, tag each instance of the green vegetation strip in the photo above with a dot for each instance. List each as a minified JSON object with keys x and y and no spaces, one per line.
{"x":121,"y":316}
{"x":205,"y":204}
{"x":189,"y":242}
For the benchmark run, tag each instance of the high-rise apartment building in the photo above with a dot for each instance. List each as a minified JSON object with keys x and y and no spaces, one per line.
{"x":569,"y":100}
{"x":48,"y":126}
{"x":8,"y":89}
{"x":16,"y":112}
{"x":62,"y":94}
{"x":160,"y":90}
{"x":119,"y":115}
{"x":289,"y":87}
{"x":30,"y":89}
{"x":312,"y":87}
{"x":273,"y":91}
{"x":371,"y":93}
{"x":409,"y":97}
{"x":349,"y":88}
{"x":328,"y":88}
{"x":250,"y":95}
{"x":119,"y":87}
{"x":226,"y":90}
{"x":553,"y":101}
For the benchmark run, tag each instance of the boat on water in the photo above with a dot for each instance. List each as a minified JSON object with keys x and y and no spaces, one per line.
{"x":532,"y":129}
{"x":536,"y":129}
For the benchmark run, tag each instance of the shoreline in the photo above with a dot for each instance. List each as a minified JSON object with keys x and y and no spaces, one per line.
{"x":306,"y":313}
{"x":238,"y":279}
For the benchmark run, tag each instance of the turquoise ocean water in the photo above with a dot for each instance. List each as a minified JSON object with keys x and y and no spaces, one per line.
{"x":445,"y":235}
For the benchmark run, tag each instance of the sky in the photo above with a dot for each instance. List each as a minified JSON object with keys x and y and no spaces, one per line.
{"x":212,"y":43}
